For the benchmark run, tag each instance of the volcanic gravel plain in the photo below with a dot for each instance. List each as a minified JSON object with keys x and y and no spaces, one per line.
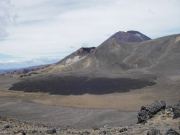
{"x":82,"y":111}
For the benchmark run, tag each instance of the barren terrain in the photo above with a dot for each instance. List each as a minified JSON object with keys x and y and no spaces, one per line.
{"x":43,"y":108}
{"x":108,"y":86}
{"x":83,"y":111}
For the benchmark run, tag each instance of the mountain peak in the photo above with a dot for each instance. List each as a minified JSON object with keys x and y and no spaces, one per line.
{"x":130,"y":36}
{"x":133,"y":32}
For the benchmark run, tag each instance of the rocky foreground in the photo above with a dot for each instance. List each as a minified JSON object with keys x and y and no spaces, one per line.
{"x":154,"y":119}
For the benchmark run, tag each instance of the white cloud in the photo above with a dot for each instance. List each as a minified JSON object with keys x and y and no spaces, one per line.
{"x":39,"y":28}
{"x":27,"y":63}
{"x":3,"y":33}
{"x":4,"y":18}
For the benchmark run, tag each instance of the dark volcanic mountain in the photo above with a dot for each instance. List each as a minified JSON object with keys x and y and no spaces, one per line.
{"x":114,"y":66}
{"x":130,"y":36}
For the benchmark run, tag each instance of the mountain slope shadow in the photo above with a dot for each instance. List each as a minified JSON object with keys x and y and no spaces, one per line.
{"x":79,"y":85}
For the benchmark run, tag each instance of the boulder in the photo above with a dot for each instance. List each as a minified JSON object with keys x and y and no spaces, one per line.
{"x":147,"y":111}
{"x":176,"y":114}
{"x":142,"y":116}
{"x":176,"y":106}
{"x":176,"y":110}
{"x":154,"y":107}
{"x":172,"y":132}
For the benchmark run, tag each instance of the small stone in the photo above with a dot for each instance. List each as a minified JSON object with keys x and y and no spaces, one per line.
{"x":21,"y":132}
{"x":51,"y":131}
{"x":33,"y":132}
{"x":5,"y":126}
{"x":123,"y":129}
{"x":86,"y":132}
{"x":63,"y":128}
{"x":105,"y":126}
{"x":95,"y":128}
{"x":42,"y":131}
{"x":169,"y":106}
{"x":105,"y":132}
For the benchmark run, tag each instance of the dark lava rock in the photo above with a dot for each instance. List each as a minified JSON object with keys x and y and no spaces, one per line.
{"x":148,"y":111}
{"x":169,"y":106}
{"x":51,"y":131}
{"x":142,"y":116}
{"x":86,"y":132}
{"x":154,"y":132}
{"x":177,"y":106}
{"x":95,"y":128}
{"x":42,"y":131}
{"x":176,"y":110}
{"x":21,"y":132}
{"x":123,"y":129}
{"x":154,"y":107}
{"x":5,"y":126}
{"x":172,"y":132}
{"x":176,"y":114}
{"x":103,"y":132}
{"x":32,"y":132}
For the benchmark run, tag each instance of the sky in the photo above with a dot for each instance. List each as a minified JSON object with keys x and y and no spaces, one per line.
{"x":36,"y":32}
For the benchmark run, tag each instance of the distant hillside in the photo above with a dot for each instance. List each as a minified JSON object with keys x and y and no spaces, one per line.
{"x":5,"y":70}
{"x":22,"y":71}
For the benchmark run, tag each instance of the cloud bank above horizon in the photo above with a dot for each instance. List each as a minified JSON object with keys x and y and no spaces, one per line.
{"x":43,"y":31}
